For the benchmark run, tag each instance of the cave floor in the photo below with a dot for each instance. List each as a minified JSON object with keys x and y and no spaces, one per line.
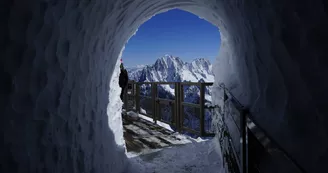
{"x":155,"y":148}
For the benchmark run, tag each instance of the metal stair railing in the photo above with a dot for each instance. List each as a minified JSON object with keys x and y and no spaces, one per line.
{"x":247,"y":123}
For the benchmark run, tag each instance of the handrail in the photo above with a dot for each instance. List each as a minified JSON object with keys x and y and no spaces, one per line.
{"x":164,"y":100}
{"x":160,"y":83}
{"x":182,"y":83}
{"x":249,"y":116}
{"x":276,"y":144}
{"x":190,"y":104}
{"x":147,"y":97}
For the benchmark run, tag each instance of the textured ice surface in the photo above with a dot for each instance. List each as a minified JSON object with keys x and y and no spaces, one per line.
{"x":115,"y":107}
{"x":58,"y":58}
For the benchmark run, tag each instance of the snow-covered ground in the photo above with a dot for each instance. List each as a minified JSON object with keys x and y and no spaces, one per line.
{"x":166,"y":126}
{"x":198,"y":156}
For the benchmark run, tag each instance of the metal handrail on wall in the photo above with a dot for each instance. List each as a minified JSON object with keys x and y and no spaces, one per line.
{"x":177,"y":104}
{"x":247,"y":122}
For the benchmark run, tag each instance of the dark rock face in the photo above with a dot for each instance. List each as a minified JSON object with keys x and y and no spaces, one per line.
{"x":58,"y":56}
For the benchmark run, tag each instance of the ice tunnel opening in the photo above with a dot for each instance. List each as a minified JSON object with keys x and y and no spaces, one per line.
{"x":173,"y":46}
{"x":207,"y":48}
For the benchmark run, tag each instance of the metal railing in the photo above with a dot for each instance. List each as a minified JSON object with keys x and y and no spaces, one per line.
{"x":242,"y":153}
{"x":251,"y":137}
{"x":176,"y":103}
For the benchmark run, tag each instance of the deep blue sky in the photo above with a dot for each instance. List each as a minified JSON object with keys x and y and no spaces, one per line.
{"x":176,"y":32}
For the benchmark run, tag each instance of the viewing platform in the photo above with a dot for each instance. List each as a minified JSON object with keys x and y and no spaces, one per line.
{"x":246,"y":147}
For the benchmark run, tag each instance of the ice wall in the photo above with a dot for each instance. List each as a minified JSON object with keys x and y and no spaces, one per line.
{"x":114,"y":108}
{"x":58,"y":57}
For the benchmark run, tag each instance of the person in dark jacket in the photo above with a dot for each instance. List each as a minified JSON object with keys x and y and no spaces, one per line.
{"x":123,"y":80}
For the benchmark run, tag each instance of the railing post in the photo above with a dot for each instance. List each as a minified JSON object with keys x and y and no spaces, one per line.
{"x":133,"y":95}
{"x":137,"y":97}
{"x":202,"y":111}
{"x":172,"y":105}
{"x":154,"y":93}
{"x":177,"y":105}
{"x":125,"y":98}
{"x":181,"y":115}
{"x":157,"y":105}
{"x":132,"y":87}
{"x":243,"y":134}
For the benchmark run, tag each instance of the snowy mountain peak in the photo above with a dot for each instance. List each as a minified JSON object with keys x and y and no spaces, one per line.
{"x":172,"y":69}
{"x":202,"y":61}
{"x":167,"y":55}
{"x":168,"y":62}
{"x":201,"y":66}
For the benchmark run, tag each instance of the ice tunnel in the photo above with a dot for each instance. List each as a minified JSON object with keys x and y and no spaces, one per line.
{"x":58,"y":57}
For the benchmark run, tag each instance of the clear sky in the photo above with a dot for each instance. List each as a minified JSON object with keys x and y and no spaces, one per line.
{"x":176,"y":32}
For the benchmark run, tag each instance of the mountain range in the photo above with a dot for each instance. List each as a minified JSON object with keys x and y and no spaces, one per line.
{"x":172,"y":69}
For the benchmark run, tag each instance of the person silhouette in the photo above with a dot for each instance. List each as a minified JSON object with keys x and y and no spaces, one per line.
{"x":123,"y":80}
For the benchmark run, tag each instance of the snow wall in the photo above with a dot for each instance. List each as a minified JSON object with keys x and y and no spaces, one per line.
{"x":58,"y":58}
